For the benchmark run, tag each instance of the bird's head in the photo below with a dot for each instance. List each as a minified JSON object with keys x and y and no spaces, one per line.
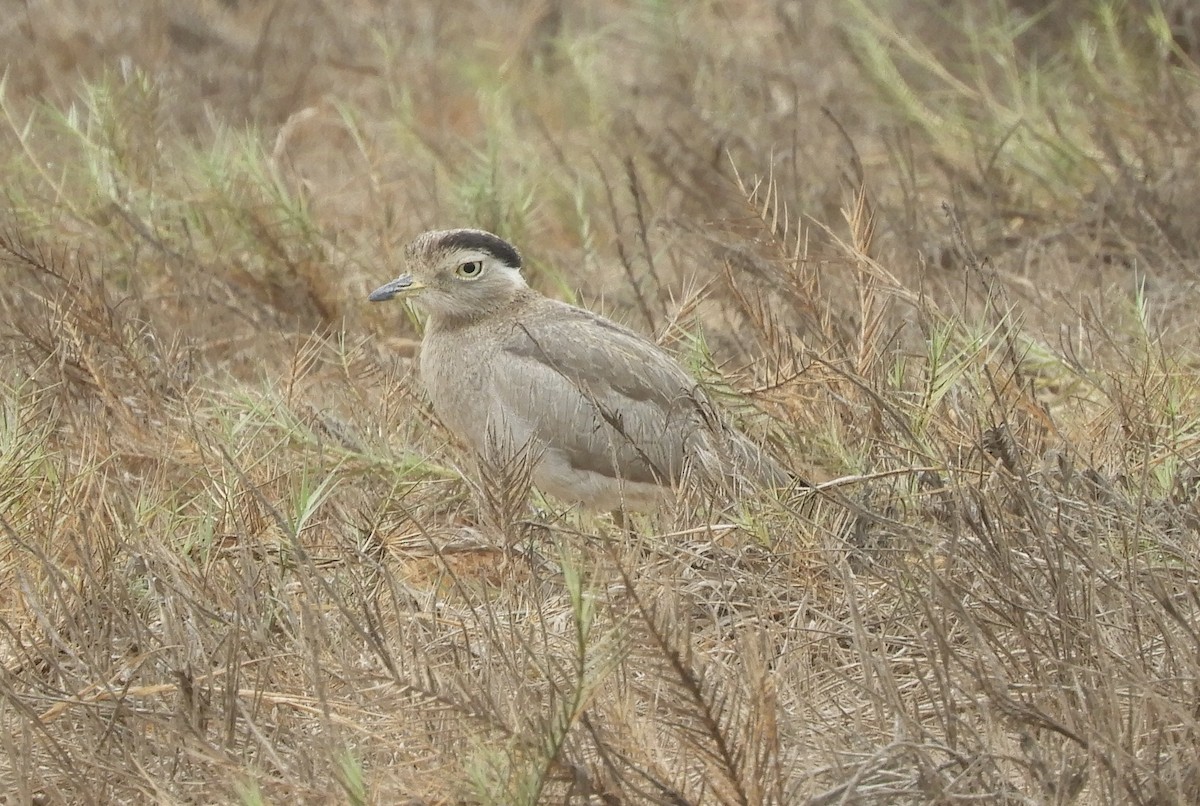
{"x":458,"y":274}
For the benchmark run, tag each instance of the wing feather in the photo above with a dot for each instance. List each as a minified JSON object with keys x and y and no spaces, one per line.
{"x":610,"y":400}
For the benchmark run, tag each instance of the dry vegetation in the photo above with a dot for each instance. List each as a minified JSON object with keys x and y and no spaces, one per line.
{"x":948,"y":247}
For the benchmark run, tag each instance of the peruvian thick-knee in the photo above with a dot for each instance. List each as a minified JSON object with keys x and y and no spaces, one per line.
{"x":610,"y":419}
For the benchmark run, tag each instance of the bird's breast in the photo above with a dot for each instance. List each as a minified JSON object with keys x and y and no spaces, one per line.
{"x":458,"y":371}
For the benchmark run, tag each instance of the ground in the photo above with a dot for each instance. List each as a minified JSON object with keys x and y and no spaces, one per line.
{"x":940,"y":256}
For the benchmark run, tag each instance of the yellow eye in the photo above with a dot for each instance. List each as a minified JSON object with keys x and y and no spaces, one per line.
{"x":470,"y":270}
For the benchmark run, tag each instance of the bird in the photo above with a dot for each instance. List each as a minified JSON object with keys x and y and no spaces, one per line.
{"x":609,"y":419}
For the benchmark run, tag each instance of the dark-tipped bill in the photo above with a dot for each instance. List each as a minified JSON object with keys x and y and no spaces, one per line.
{"x":403,"y":284}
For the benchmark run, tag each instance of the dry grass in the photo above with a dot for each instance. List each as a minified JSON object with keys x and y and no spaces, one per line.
{"x":948,"y":248}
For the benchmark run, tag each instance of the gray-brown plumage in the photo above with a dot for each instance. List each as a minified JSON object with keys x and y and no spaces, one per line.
{"x":610,"y":419}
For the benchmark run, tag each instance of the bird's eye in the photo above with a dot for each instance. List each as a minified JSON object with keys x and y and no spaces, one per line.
{"x":470,"y":270}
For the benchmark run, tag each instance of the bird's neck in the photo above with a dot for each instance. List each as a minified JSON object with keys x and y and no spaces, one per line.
{"x":507,"y":308}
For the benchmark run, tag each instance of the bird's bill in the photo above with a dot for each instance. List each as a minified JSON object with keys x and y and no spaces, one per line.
{"x":401,"y":286}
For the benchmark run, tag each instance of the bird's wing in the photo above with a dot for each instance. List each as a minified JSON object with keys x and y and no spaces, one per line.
{"x":610,"y":400}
